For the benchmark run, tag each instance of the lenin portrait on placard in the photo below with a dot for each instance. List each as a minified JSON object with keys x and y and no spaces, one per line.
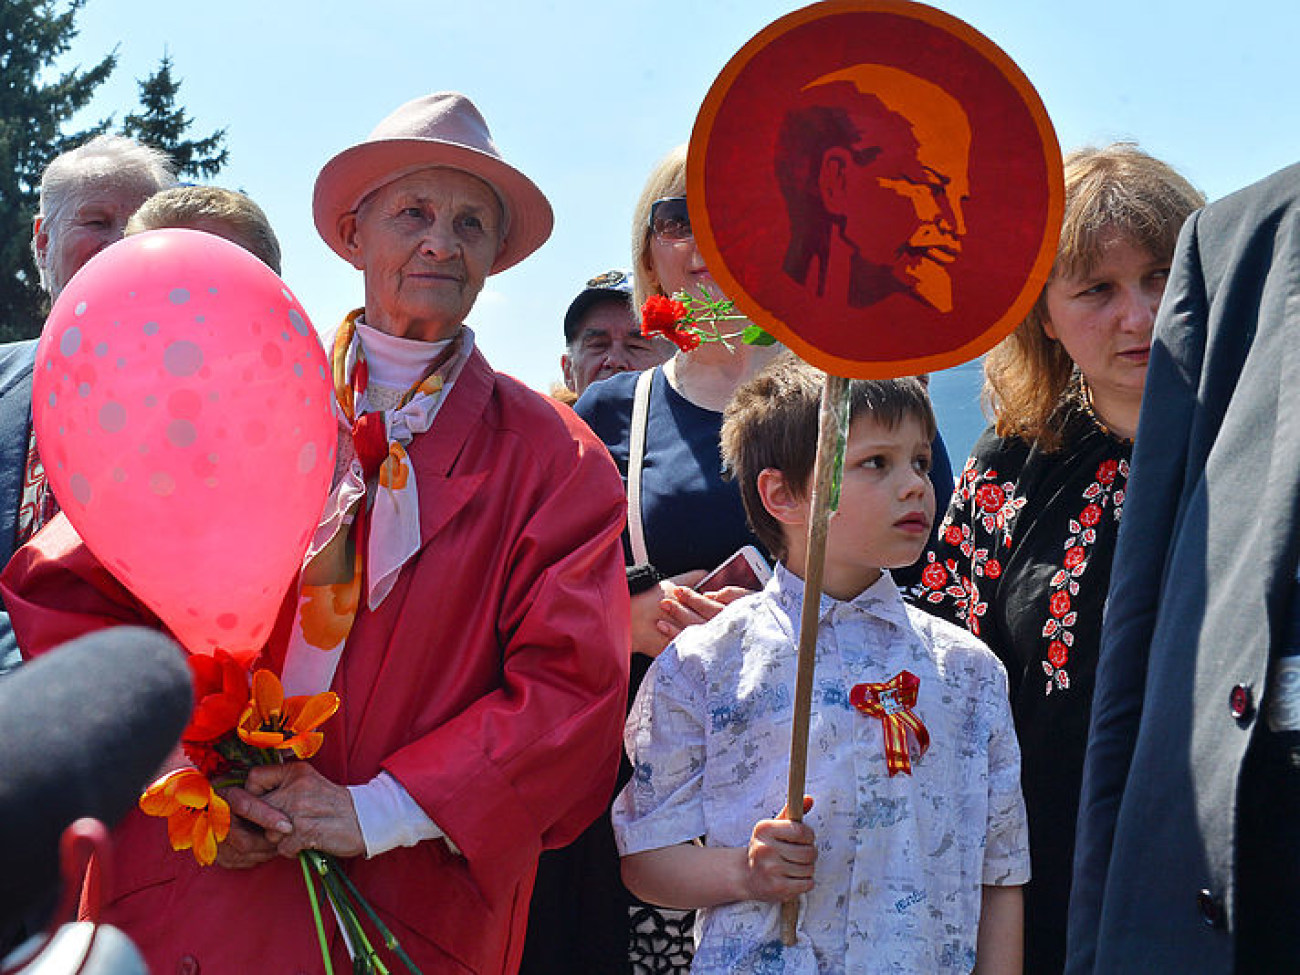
{"x":872,"y":164}
{"x":878,"y":186}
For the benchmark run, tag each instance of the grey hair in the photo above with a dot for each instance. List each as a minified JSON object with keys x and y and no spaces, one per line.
{"x":114,"y":158}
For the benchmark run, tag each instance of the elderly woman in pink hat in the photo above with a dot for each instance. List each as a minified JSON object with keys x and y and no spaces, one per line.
{"x":464,"y":594}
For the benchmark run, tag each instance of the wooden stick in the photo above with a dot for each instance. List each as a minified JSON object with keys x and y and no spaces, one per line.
{"x":823,"y":471}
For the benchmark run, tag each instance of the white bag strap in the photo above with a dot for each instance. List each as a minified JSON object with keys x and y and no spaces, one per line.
{"x":635,"y":457}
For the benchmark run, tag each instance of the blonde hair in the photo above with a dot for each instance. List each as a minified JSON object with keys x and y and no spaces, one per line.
{"x":668,"y":178}
{"x":190,"y":206}
{"x":1116,"y":190}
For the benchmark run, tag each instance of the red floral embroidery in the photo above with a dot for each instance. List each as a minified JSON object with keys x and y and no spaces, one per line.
{"x":1059,"y":603}
{"x":983,"y":526}
{"x":990,"y":497}
{"x":934,"y":576}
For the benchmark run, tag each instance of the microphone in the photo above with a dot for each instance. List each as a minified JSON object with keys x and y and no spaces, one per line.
{"x":83,"y":729}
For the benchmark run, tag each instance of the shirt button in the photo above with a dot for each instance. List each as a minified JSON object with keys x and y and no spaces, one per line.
{"x":1241,"y":702}
{"x":1210,"y":908}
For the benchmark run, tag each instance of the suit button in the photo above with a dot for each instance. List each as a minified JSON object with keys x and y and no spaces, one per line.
{"x":1210,"y":908}
{"x":188,"y":965}
{"x":1241,"y":702}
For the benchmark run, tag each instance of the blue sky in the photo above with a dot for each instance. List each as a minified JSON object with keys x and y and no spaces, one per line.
{"x":585,"y":97}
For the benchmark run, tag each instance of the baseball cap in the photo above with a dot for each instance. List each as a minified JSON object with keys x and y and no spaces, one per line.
{"x":611,"y":284}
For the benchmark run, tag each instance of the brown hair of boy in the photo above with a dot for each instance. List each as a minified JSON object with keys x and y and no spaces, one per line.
{"x":772,"y":421}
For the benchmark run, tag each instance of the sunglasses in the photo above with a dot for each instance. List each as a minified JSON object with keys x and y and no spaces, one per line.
{"x":670,"y":220}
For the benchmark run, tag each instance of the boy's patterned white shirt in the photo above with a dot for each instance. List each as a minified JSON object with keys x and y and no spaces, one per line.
{"x":900,"y":859}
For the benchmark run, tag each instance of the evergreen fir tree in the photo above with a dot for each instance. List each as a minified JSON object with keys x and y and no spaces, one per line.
{"x":34,"y":34}
{"x":162,"y":123}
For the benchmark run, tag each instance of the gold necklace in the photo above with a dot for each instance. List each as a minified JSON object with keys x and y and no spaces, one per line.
{"x":1090,"y":409}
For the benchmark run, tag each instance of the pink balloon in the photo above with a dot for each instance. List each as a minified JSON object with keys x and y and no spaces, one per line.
{"x":182,"y":405}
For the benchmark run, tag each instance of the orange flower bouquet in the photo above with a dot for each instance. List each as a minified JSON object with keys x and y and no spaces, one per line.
{"x":239,"y":722}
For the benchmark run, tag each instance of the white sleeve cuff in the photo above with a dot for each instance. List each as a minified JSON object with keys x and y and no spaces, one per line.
{"x":390,"y":818}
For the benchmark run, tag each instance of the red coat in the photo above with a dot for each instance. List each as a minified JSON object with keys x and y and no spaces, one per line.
{"x":491,"y":683}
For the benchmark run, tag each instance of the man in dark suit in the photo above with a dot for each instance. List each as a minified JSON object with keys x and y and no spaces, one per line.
{"x":1188,"y":853}
{"x":87,"y":196}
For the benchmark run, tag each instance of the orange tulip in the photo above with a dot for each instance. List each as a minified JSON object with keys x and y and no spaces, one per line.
{"x":273,"y":721}
{"x":197,"y":818}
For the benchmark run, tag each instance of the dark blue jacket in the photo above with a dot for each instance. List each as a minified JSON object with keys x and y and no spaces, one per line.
{"x":16,"y":362}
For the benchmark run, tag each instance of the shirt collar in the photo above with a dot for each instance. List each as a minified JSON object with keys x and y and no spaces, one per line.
{"x":882,"y":599}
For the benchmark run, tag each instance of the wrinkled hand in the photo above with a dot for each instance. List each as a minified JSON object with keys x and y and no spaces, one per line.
{"x":781,"y":858}
{"x":652,"y":626}
{"x":247,"y":845}
{"x":318,"y":814}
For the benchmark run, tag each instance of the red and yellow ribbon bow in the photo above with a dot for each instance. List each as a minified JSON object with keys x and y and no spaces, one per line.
{"x":892,"y":702}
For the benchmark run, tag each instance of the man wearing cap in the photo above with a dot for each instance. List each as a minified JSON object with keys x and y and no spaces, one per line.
{"x":602,"y":335}
{"x":473,"y":620}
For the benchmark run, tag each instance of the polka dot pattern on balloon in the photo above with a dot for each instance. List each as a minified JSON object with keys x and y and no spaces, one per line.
{"x":182,"y":406}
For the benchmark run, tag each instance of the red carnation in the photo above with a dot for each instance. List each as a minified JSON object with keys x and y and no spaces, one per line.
{"x":660,"y":315}
{"x":684,"y":340}
{"x":1059,"y":604}
{"x":1091,"y":515}
{"x":990,"y":497}
{"x":934,"y":576}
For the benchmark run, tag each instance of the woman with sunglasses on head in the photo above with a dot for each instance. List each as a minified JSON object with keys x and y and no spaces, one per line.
{"x":1025,"y":551}
{"x":689,"y":519}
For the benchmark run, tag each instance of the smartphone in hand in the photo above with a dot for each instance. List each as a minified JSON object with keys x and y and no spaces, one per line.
{"x":745,"y":568}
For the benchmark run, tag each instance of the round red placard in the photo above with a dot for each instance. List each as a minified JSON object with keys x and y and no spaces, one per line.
{"x":878,"y":185}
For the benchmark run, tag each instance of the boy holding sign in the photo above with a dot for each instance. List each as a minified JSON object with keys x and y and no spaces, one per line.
{"x":912,"y":857}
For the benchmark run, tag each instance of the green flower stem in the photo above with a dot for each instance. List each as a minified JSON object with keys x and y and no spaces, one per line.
{"x":365,"y":959}
{"x":390,"y":939}
{"x":315,"y":913}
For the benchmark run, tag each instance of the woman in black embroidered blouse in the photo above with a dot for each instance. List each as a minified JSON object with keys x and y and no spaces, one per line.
{"x":1024,"y":553}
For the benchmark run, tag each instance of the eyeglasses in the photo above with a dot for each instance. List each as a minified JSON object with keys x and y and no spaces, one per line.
{"x":670,"y":220}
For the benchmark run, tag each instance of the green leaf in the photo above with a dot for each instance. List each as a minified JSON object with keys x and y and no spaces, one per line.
{"x":753,"y":335}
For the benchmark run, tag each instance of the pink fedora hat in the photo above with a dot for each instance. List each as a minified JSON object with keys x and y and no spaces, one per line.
{"x":442,"y":129}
